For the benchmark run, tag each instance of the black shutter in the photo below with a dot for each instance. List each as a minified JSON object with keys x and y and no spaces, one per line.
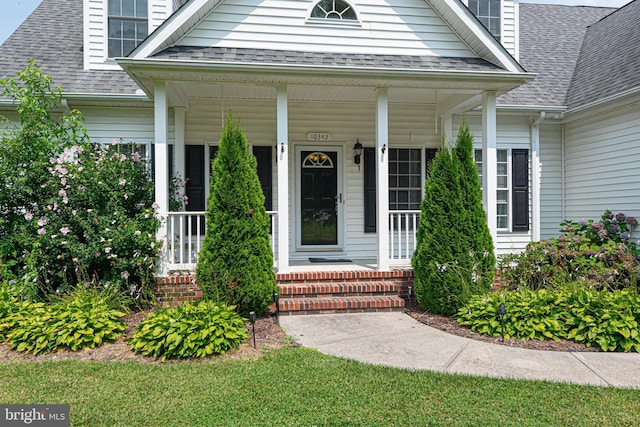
{"x":429,"y":155}
{"x":369,"y":190}
{"x":520,"y":183}
{"x":263,"y":157}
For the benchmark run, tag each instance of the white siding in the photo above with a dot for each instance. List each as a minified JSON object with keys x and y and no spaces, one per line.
{"x":95,"y":30}
{"x":601,"y":166}
{"x":409,"y":27}
{"x":551,"y":180}
{"x":509,"y":22}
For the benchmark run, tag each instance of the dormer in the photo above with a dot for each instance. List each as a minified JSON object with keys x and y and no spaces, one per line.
{"x":113,"y":28}
{"x":500,"y":17}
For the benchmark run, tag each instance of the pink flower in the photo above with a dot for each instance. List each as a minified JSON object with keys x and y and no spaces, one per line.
{"x":52,"y":160}
{"x":28,"y":216}
{"x":155,"y":205}
{"x":62,"y":193}
{"x":65,"y":200}
{"x":136,"y":156}
{"x":64,"y":231}
{"x":107,"y":250}
{"x":137,"y":233}
{"x":42,"y":222}
{"x":41,"y":231}
{"x":122,"y":181}
{"x":125,"y":275}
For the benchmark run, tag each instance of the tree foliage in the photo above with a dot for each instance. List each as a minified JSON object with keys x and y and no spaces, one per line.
{"x":454,"y":256}
{"x":71,"y":211}
{"x":235,"y":265}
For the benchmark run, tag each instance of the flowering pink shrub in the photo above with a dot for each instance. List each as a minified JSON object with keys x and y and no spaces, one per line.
{"x":70,"y":212}
{"x":593,"y":254}
{"x":96,"y":222}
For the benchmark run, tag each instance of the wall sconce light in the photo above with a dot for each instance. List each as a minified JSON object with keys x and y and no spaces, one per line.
{"x":357,"y":152}
{"x":384,"y":148}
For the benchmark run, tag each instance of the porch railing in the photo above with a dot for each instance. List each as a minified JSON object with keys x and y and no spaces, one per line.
{"x":185,"y":234}
{"x":403,"y":226}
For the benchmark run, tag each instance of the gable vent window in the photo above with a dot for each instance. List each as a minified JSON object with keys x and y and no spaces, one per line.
{"x":488,"y":12}
{"x":128,"y":26}
{"x":333,"y":9}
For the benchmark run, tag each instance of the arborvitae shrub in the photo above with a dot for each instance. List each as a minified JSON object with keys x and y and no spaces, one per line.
{"x":454,"y":256}
{"x":235,"y":265}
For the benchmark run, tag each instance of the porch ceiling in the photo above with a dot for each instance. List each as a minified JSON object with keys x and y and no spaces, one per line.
{"x":180,"y":92}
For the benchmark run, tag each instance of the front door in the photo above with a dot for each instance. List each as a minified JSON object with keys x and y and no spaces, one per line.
{"x":319,"y":198}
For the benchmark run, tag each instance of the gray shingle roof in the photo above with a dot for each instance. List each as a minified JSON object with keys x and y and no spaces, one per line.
{"x":52,"y":35}
{"x":550,"y":40}
{"x":270,"y":56}
{"x":609,"y":61}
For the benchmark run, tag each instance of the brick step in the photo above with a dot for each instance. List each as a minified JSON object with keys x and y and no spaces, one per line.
{"x":328,"y":289}
{"x":351,"y":304}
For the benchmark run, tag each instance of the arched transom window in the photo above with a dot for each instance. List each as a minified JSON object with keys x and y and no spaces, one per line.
{"x":317,"y":160}
{"x":334,"y":9}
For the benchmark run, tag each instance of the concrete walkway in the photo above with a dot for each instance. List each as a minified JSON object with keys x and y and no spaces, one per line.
{"x":395,"y":339}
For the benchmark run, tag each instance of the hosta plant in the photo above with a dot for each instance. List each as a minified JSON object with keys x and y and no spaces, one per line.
{"x":77,"y":321}
{"x":607,"y":320}
{"x":191,"y":330}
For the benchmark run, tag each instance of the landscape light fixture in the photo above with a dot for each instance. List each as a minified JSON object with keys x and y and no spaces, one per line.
{"x":357,"y":152}
{"x":409,"y":291}
{"x":502,"y":310}
{"x":253,"y":318}
{"x":276,"y":300}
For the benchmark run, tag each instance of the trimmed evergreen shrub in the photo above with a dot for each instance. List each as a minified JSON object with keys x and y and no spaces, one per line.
{"x":235,"y":265}
{"x":454,"y":255}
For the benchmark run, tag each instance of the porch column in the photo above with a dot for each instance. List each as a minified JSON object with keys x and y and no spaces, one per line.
{"x":489,"y":158}
{"x":382,"y":205}
{"x":178,"y":148}
{"x":161,"y":176}
{"x":282,"y":153}
{"x":535,"y":177}
{"x":447,"y":130}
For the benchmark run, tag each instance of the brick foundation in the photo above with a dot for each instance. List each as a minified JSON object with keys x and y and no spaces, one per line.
{"x":174,"y":290}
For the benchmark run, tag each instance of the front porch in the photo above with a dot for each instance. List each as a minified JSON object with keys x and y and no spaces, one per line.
{"x":186,"y":230}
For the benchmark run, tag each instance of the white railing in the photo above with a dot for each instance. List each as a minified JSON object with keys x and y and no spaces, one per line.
{"x":185,"y":234}
{"x":403,"y":226}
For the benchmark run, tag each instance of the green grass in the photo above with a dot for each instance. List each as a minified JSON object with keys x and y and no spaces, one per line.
{"x":295,"y":386}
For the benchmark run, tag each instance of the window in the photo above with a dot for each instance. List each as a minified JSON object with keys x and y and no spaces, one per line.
{"x":512,"y":188}
{"x":334,"y":9}
{"x":488,"y":12}
{"x":128,"y":26}
{"x":405,"y":179}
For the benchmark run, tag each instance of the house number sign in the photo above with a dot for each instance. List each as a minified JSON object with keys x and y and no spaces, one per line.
{"x":318,"y":136}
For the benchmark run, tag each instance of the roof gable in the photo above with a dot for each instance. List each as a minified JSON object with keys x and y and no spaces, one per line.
{"x":609,"y":61}
{"x":438,"y":28}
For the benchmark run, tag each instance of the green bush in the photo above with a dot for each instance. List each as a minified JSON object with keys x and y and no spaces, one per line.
{"x":70,"y":211}
{"x":84,"y":318}
{"x":235,"y":264}
{"x":604,"y":319}
{"x":595,"y":255}
{"x":454,"y":256}
{"x":190,"y":330}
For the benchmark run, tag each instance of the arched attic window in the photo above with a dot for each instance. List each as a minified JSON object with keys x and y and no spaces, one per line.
{"x":338,"y":10}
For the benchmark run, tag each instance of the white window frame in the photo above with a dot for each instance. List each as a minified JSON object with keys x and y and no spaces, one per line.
{"x":478,"y":150}
{"x":421,"y":181}
{"x":328,"y":21}
{"x":490,"y":16}
{"x":110,"y":59}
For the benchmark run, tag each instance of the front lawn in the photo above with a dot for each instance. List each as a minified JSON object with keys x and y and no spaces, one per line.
{"x":297,"y":386}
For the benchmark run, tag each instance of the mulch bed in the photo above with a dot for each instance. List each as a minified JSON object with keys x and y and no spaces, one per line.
{"x":270,"y":336}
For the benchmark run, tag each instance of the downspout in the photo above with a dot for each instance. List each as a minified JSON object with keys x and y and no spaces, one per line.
{"x":535,"y":168}
{"x":563,"y":205}
{"x":65,"y":105}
